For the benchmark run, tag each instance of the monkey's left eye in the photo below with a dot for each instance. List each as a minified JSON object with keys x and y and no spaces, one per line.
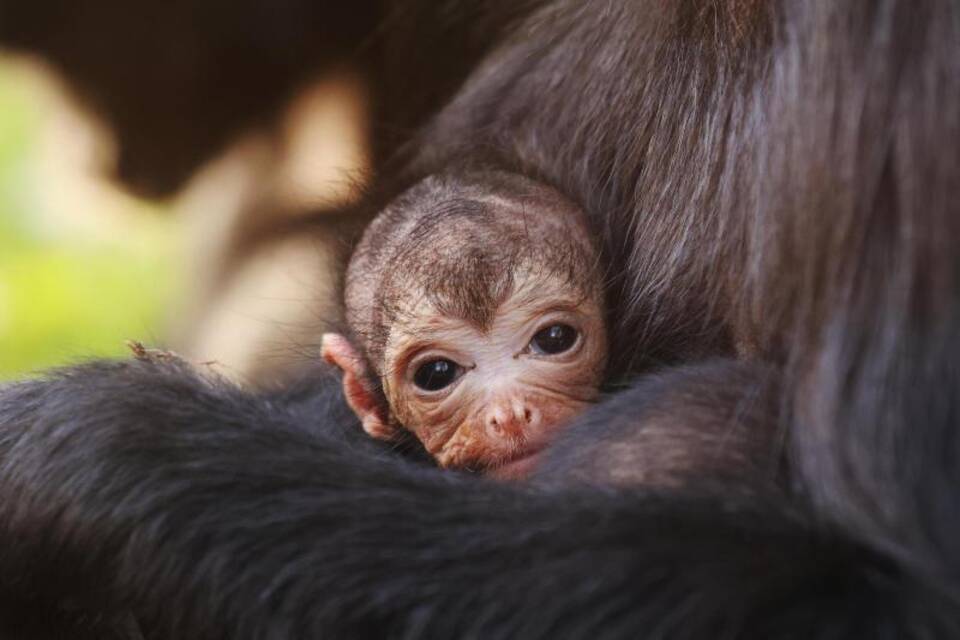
{"x":436,"y":374}
{"x":554,"y":339}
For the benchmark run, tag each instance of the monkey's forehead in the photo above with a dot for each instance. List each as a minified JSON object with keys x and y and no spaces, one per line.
{"x":528,"y":286}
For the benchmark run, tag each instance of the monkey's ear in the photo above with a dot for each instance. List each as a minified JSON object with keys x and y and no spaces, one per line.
{"x":337,"y":350}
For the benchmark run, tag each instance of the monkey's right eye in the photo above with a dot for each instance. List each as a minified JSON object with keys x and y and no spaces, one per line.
{"x":436,"y":374}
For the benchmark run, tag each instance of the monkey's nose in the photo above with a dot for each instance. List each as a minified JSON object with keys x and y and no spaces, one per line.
{"x":511,"y":419}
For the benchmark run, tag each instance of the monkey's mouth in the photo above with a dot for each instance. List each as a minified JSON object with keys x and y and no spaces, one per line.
{"x":518,"y":467}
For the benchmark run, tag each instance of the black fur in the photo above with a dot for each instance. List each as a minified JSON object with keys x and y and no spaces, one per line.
{"x":213,"y":513}
{"x":772,"y":181}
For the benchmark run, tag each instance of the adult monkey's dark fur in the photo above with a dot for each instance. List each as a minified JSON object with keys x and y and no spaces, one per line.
{"x":779,"y":180}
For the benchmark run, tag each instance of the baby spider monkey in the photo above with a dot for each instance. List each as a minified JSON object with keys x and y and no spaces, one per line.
{"x":476,"y":320}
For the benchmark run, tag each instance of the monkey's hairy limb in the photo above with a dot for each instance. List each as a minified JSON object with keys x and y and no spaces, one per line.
{"x":210,"y":512}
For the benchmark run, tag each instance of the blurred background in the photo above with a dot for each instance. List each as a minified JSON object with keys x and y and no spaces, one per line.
{"x":83,"y":265}
{"x":217,"y":270}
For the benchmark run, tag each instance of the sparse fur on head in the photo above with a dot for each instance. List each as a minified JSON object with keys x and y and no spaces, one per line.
{"x":466,"y":271}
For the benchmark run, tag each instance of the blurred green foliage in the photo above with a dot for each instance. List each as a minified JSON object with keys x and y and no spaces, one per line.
{"x":67,"y":297}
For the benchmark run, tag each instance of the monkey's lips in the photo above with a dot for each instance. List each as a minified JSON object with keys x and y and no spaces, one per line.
{"x":518,"y":467}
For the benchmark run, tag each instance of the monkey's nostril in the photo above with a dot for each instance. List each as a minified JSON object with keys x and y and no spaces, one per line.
{"x":527,"y":415}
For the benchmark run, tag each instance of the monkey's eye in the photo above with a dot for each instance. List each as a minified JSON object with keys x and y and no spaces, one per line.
{"x":554,"y":339}
{"x":436,"y":374}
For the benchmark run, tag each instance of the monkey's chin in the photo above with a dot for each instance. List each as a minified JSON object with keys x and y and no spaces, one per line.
{"x":516,"y":469}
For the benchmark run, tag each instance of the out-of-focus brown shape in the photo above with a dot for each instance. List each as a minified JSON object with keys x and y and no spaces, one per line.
{"x":178,"y":80}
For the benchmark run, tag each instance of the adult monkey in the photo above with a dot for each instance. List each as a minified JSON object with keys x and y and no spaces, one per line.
{"x":787,"y":175}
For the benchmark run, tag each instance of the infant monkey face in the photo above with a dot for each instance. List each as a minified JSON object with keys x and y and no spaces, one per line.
{"x":476,"y":302}
{"x":491,"y":399}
